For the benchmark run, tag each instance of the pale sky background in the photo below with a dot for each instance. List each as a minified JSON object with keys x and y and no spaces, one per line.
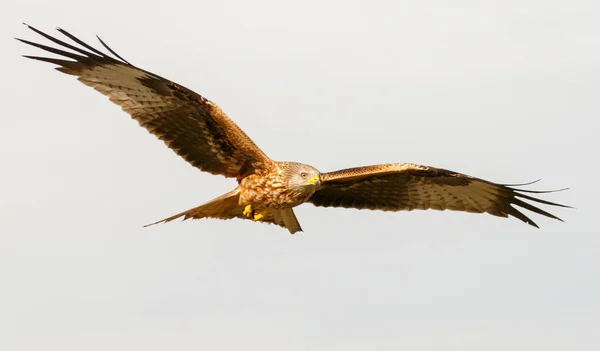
{"x":507,"y":91}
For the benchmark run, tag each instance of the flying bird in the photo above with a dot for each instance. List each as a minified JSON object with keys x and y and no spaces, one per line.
{"x":268,"y":190}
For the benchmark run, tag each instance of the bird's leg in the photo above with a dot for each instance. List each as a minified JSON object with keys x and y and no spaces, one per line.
{"x":248,"y":211}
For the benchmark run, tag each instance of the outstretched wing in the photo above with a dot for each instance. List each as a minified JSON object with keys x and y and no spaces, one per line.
{"x":404,"y":186}
{"x":192,"y":126}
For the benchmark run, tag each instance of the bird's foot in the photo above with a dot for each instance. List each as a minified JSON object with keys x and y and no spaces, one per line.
{"x":248,"y":211}
{"x":260,"y":215}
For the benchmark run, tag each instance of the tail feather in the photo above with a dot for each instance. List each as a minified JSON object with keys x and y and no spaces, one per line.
{"x":222,"y":207}
{"x":290,"y":220}
{"x":227,"y":206}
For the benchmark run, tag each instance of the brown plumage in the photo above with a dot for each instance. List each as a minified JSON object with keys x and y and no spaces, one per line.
{"x":202,"y":134}
{"x":404,"y":186}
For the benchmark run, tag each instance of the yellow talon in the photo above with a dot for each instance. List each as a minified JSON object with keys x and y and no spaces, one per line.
{"x":258,"y":216}
{"x":247,"y":211}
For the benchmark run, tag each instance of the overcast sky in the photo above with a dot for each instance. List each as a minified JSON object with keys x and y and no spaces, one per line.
{"x":507,"y":91}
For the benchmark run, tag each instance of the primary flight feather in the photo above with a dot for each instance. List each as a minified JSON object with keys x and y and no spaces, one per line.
{"x":267,"y":191}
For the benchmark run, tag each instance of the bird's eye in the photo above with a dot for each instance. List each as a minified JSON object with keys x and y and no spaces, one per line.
{"x":303,"y":175}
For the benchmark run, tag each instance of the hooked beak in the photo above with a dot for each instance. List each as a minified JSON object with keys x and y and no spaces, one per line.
{"x":314,"y":180}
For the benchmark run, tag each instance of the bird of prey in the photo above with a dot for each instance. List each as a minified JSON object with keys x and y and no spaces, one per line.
{"x":267,"y":190}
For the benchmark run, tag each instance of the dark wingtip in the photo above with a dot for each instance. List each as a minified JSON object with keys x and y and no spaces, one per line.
{"x":111,"y":50}
{"x":523,"y":184}
{"x":541,"y":191}
{"x":26,"y":25}
{"x":533,"y":224}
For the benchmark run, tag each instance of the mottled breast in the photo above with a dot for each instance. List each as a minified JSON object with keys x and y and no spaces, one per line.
{"x":269,"y":190}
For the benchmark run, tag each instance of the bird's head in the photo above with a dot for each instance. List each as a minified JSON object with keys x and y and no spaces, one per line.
{"x":302,"y":177}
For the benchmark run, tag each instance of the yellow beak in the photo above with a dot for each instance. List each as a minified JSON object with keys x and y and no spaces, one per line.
{"x":313,"y":181}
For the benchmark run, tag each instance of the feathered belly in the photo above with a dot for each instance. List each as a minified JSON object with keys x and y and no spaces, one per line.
{"x":268,"y":192}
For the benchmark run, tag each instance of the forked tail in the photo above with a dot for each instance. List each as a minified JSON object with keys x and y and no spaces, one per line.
{"x":227,"y":206}
{"x":222,"y":207}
